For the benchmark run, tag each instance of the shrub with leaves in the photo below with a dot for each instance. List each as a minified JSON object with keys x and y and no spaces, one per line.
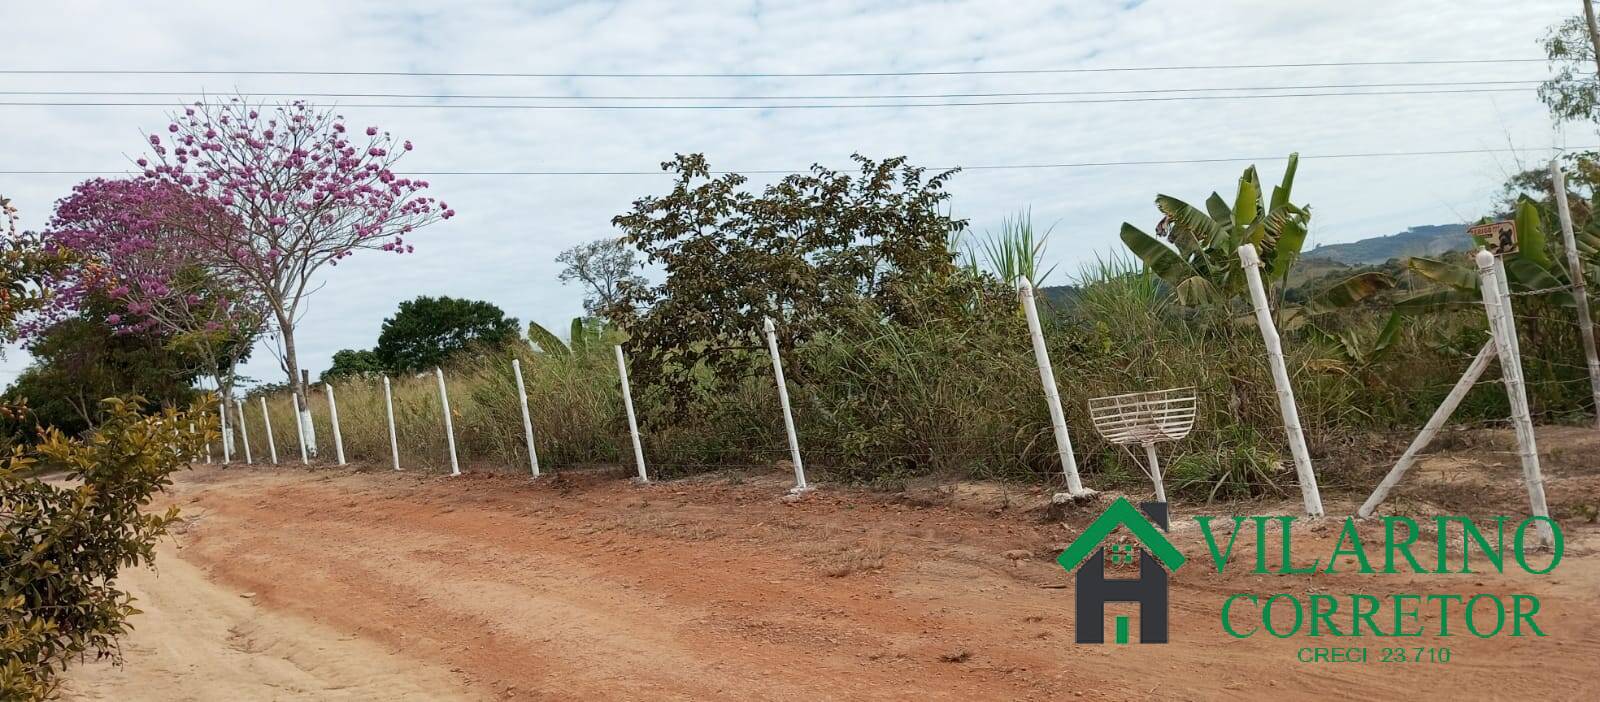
{"x":65,"y":542}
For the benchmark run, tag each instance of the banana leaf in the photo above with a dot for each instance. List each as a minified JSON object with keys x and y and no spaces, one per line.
{"x":1219,"y":210}
{"x":1246,"y":203}
{"x":1530,"y":235}
{"x":1280,"y":193}
{"x":1158,"y":256}
{"x":1391,"y":331}
{"x":1195,"y":290}
{"x":579,"y":337}
{"x":1437,"y":298}
{"x":1348,"y":292}
{"x":1455,"y":276}
{"x":546,"y":341}
{"x":1525,"y":273}
{"x":1287,"y":248}
{"x":1185,"y":216}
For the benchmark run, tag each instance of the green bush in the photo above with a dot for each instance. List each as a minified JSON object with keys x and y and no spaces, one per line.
{"x":63,"y":546}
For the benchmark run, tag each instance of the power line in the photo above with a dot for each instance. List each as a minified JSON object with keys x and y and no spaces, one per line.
{"x":977,"y":167}
{"x":895,"y":96}
{"x":816,"y":106}
{"x":841,"y":74}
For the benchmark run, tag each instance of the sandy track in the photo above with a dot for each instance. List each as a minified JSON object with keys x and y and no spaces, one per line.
{"x":371,"y":585}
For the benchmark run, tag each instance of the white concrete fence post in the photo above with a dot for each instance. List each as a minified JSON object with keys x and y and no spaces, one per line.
{"x":333,"y":416}
{"x":783,"y":398}
{"x":266,"y":420}
{"x":301,"y":417}
{"x":1280,"y":378}
{"x":1052,"y":395}
{"x":633,"y":422}
{"x":449,"y":425}
{"x":1502,"y":324}
{"x":527,"y":420}
{"x":227,"y":438}
{"x":244,"y":431}
{"x":308,"y":431}
{"x":388,"y":407}
{"x":1580,"y":291}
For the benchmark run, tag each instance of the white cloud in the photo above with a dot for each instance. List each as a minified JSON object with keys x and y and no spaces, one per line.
{"x":501,"y":247}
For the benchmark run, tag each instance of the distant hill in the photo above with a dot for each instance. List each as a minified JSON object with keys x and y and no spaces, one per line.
{"x":1328,"y":264}
{"x":1430,"y":240}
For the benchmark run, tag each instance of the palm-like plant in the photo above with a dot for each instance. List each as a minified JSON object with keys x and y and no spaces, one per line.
{"x":1199,"y":257}
{"x":1015,"y":251}
{"x":1532,"y":269}
{"x":588,"y":335}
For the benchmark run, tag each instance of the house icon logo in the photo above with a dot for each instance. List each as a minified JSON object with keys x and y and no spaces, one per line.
{"x":1149,"y":590}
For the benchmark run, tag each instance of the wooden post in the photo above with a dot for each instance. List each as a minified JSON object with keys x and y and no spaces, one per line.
{"x":1580,"y":292}
{"x":1497,"y":304}
{"x":1280,"y":378}
{"x":266,"y":419}
{"x":388,"y":406}
{"x":1052,"y":395}
{"x":527,"y":420}
{"x":1435,"y":423}
{"x":633,"y":422}
{"x":333,"y":416}
{"x":244,"y":431}
{"x":449,"y":425}
{"x":783,"y":399}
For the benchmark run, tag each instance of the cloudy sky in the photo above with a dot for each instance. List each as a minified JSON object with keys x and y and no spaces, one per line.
{"x":502,"y":245}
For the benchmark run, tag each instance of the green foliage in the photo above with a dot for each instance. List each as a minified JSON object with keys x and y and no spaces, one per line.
{"x":587,"y":335}
{"x":80,"y":361}
{"x":426,"y":331}
{"x":1017,"y":250}
{"x":64,"y":545}
{"x":805,"y":251}
{"x":1573,"y":93}
{"x":351,"y":363}
{"x":1200,"y":256}
{"x":604,"y":268}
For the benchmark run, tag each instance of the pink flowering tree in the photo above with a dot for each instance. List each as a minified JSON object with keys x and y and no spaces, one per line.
{"x":127,"y":242}
{"x":306,"y":190}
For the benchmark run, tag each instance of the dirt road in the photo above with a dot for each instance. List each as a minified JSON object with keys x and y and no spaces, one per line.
{"x":341,"y":584}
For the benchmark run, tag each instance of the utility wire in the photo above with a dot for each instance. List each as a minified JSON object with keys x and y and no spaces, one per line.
{"x":896,"y":96}
{"x":815,"y":106}
{"x":841,"y":74}
{"x":979,"y":167}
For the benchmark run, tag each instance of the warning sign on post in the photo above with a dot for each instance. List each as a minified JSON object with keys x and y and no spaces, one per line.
{"x":1500,"y":238}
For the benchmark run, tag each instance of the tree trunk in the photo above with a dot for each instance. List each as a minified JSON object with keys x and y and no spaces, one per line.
{"x":307,"y":433}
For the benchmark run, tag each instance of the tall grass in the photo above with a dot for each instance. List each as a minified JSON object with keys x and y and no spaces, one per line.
{"x":882,"y":404}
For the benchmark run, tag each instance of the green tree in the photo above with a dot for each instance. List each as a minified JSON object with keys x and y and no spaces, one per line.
{"x":806,"y":251}
{"x":80,"y":361}
{"x":348,"y":363}
{"x":1573,"y":92}
{"x":428,"y":330}
{"x":604,"y":268}
{"x":63,"y":545}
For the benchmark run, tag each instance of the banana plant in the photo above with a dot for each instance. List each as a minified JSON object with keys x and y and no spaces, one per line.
{"x":1199,"y":255}
{"x":587,"y":335}
{"x":1353,"y":354}
{"x":1532,"y":269}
